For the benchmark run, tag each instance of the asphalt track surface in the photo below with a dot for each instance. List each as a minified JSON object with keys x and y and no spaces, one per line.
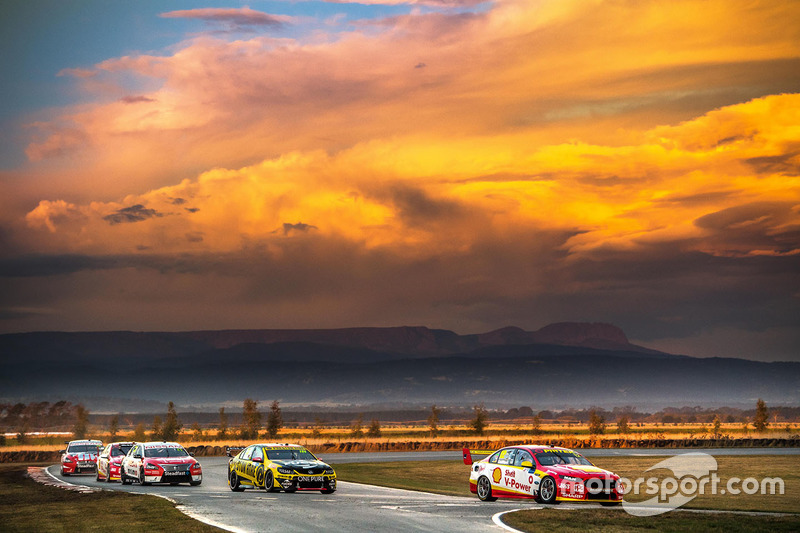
{"x":353,"y":507}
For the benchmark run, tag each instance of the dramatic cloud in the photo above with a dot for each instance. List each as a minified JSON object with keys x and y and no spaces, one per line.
{"x":517,"y":163}
{"x":243,"y":16}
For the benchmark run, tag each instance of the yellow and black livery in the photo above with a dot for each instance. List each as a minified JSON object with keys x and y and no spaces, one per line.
{"x":274,"y":467}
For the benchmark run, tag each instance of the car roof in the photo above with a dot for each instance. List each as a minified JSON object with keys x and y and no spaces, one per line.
{"x":538,"y":448}
{"x":278,"y":445}
{"x":85,"y":441}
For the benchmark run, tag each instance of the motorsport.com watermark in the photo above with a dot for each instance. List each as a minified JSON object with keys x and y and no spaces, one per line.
{"x":695,"y":474}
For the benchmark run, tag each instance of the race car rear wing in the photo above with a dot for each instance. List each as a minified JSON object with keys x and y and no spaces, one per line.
{"x":469,"y":453}
{"x":230,"y":451}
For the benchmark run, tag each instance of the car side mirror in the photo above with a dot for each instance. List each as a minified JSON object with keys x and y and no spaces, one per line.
{"x":137,"y":456}
{"x":526,"y":464}
{"x":258,"y":459}
{"x":191,"y":455}
{"x":62,"y":451}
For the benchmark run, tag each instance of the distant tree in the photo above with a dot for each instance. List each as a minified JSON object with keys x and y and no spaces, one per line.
{"x":81,"y":426}
{"x":2,"y":439}
{"x":155,"y":431}
{"x":251,"y":419}
{"x":525,"y":412}
{"x":479,"y":422}
{"x":222,"y":432}
{"x":622,"y":425}
{"x":113,"y":428}
{"x":536,"y":426}
{"x":433,"y":420}
{"x":274,"y":420}
{"x":22,"y":432}
{"x":172,"y":427}
{"x":730,"y":419}
{"x":316,"y":431}
{"x":761,"y":420}
{"x":355,"y":427}
{"x":745,"y":427}
{"x":374,"y":429}
{"x":716,"y":427}
{"x":546,"y":415}
{"x":138,"y":432}
{"x":597,"y":423}
{"x":197,"y":430}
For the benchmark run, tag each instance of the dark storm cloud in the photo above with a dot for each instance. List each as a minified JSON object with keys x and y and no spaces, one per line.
{"x":134,"y":213}
{"x":136,"y":99}
{"x":788,"y":164}
{"x":418,"y":208}
{"x":300,"y":226}
{"x":52,"y":265}
{"x":764,"y":227}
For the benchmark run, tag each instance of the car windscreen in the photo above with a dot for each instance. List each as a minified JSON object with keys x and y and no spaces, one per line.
{"x":290,"y":454}
{"x":561,"y":458}
{"x":84,"y":448}
{"x":120,"y":450}
{"x":165,"y":451}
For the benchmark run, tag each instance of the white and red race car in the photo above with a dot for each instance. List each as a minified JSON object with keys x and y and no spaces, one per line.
{"x":160,"y":462}
{"x":80,"y":457}
{"x":546,"y":474}
{"x":109,"y":463}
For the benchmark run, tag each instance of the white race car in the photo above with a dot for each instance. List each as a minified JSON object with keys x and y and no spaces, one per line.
{"x":160,"y":462}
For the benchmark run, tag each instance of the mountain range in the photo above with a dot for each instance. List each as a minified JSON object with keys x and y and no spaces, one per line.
{"x":558,"y":366}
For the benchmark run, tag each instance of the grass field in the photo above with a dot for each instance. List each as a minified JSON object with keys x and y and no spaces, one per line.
{"x":26,"y":505}
{"x":459,"y":433}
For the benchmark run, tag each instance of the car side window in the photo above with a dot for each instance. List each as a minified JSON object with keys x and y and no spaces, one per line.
{"x":521,"y":457}
{"x":258,"y":454}
{"x":495,"y":457}
{"x":247,"y":453}
{"x":506,"y":457}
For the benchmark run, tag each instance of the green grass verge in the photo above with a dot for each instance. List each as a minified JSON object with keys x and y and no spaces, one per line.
{"x":26,"y":505}
{"x":451,"y":477}
{"x":618,"y":521}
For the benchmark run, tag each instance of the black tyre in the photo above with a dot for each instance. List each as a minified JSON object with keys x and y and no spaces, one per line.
{"x":125,"y":480}
{"x":97,"y":475}
{"x":233,"y":482}
{"x":485,"y":489}
{"x":328,"y":491}
{"x":141,"y":478}
{"x":609,"y":504}
{"x":269,"y":482}
{"x":194,"y":483}
{"x":548,"y":490}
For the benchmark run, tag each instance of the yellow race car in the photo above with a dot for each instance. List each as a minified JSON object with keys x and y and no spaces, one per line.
{"x":274,"y":467}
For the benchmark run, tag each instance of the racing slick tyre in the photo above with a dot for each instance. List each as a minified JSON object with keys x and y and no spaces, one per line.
{"x":548,"y":490}
{"x":97,"y":476}
{"x":233,"y":482}
{"x":194,"y":483}
{"x":125,"y":480}
{"x":269,"y":483}
{"x":485,"y":489}
{"x":64,"y":473}
{"x":328,"y":491}
{"x":141,"y":478}
{"x":609,"y":504}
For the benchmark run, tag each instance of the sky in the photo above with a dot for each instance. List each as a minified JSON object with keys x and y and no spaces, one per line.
{"x":467,"y":165}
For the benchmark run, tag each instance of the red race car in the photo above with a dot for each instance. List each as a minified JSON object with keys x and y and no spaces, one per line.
{"x":80,"y":457}
{"x":109,"y":463}
{"x":544,"y":473}
{"x":160,"y":462}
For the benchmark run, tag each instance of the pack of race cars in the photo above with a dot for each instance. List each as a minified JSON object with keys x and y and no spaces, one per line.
{"x":545,"y":474}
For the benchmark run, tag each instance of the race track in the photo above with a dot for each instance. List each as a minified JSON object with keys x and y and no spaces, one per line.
{"x":353,"y":507}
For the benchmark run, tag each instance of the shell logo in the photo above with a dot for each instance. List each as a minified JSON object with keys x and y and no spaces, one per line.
{"x":497,"y":474}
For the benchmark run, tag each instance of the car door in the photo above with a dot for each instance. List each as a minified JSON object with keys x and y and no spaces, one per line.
{"x":243,"y":462}
{"x":502,"y":473}
{"x":103,"y":460}
{"x":133,"y":460}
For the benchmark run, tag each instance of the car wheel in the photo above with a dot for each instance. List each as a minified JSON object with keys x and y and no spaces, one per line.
{"x":548,"y":490}
{"x":63,"y":473}
{"x":194,"y":483}
{"x":269,"y":483}
{"x":609,"y":504}
{"x":328,"y":491}
{"x":141,"y":478}
{"x":97,"y":475}
{"x":485,"y":489}
{"x":233,"y":482}
{"x":125,"y":480}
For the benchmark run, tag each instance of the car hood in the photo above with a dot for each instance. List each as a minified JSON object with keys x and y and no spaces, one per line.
{"x":301,"y":464}
{"x":83,"y":456}
{"x":581,"y":471}
{"x":170,"y":460}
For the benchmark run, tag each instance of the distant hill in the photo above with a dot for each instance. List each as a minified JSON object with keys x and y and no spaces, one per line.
{"x":558,"y":366}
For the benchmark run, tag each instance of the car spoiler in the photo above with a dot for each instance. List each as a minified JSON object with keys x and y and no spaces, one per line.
{"x":230,"y":451}
{"x":469,"y":453}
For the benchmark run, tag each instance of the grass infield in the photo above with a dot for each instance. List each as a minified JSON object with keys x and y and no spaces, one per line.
{"x":26,"y":505}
